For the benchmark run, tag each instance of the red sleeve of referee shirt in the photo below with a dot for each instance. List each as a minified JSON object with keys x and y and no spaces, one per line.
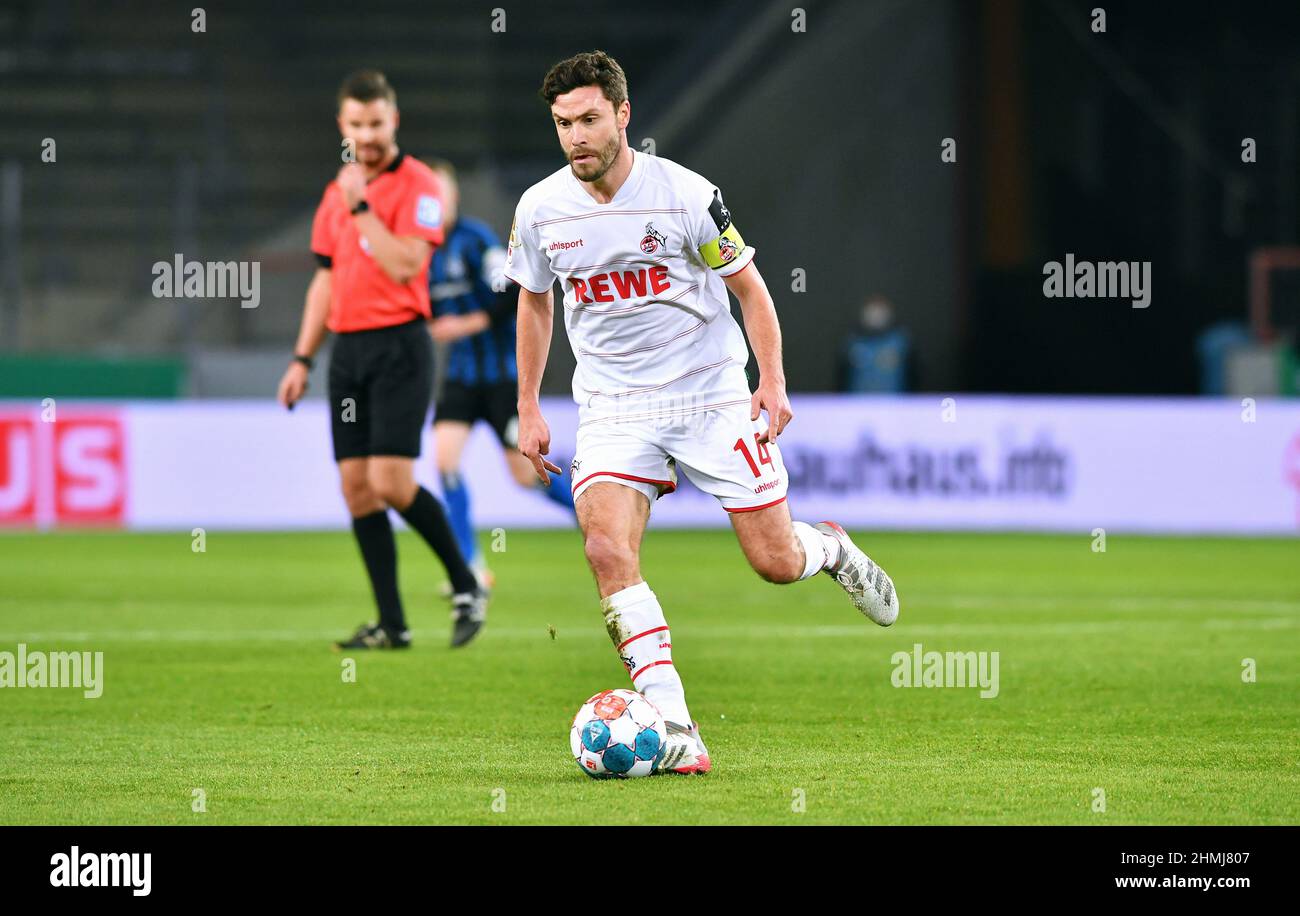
{"x":419,"y":213}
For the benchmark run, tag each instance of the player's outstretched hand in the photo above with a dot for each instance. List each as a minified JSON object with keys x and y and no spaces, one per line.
{"x":293,"y":385}
{"x":771,"y":397}
{"x":535,"y":442}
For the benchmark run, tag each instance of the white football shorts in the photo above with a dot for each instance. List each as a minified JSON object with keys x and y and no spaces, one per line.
{"x":716,"y":448}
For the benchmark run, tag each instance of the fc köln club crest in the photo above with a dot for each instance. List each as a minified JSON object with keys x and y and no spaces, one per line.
{"x":654,"y":239}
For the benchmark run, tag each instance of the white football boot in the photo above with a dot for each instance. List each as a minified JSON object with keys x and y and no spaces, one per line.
{"x":684,"y":751}
{"x":868,"y":585}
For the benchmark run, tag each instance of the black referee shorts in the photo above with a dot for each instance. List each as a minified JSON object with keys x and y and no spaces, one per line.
{"x":380,"y":384}
{"x":494,"y":402}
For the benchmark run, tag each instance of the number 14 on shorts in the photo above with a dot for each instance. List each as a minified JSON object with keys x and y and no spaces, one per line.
{"x":764,"y":456}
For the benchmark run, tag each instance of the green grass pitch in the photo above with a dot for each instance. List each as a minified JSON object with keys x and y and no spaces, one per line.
{"x":1119,"y":671}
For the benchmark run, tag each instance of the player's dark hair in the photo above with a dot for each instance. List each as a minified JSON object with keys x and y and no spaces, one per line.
{"x":366,"y":86}
{"x":590,"y":68}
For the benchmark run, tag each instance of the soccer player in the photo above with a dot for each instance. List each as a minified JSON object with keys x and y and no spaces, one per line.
{"x":474,"y":313}
{"x":645,"y":251}
{"x":373,"y":235}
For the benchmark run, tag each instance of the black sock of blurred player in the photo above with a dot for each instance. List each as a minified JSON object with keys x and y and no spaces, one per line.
{"x":374,"y":534}
{"x":426,"y":515}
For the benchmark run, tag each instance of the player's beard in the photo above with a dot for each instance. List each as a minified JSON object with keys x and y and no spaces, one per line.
{"x":605,"y":157}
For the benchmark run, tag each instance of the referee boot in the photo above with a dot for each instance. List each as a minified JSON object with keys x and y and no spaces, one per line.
{"x":374,"y":636}
{"x":468,"y":614}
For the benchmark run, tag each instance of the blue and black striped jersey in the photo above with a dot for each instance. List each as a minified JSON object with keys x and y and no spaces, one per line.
{"x":461,"y":280}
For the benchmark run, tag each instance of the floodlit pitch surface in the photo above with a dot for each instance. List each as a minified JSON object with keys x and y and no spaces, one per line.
{"x":1120,"y":680}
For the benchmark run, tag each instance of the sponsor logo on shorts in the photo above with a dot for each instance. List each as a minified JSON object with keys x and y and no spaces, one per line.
{"x":764,"y":487}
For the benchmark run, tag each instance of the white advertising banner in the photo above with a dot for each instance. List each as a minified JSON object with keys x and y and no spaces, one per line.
{"x":925,"y":462}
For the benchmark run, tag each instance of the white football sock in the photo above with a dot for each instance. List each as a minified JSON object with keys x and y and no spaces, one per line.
{"x":637,"y":627}
{"x":820,"y":551}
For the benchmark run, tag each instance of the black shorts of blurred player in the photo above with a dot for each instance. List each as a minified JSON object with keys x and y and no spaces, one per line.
{"x":461,"y":406}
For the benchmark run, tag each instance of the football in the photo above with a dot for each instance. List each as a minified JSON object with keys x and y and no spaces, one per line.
{"x":617,"y":734}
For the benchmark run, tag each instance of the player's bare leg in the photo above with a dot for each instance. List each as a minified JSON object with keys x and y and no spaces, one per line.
{"x":768,"y":540}
{"x":613,"y":519}
{"x":450,"y":437}
{"x":781,"y":550}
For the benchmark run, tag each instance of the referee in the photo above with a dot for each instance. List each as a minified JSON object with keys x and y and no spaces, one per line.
{"x":374,"y":232}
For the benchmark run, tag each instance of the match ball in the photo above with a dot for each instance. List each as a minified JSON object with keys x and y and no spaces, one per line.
{"x":617,"y":734}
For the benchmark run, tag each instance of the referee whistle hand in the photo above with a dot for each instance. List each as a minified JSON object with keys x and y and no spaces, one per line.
{"x":352,"y":182}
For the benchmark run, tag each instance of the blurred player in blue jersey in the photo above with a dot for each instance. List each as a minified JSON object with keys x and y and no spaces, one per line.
{"x":474,"y":308}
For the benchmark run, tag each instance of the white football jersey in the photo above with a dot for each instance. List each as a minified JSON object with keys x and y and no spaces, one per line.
{"x":645,"y":308}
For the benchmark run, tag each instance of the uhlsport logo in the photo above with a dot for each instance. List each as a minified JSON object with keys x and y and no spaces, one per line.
{"x":103,"y":869}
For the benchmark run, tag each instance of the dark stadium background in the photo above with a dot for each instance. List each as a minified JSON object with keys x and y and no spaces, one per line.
{"x":827,"y":147}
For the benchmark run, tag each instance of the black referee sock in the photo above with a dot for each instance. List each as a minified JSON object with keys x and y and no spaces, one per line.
{"x":426,"y":515}
{"x":374,"y":533}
